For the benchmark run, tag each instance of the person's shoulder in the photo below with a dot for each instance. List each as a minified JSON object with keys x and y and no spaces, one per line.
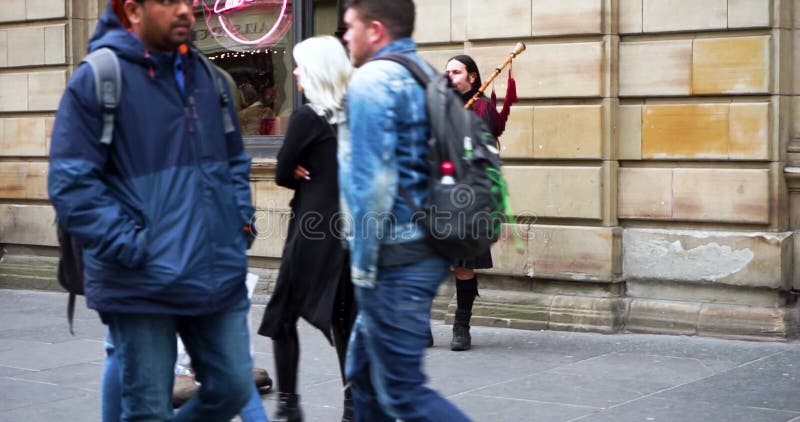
{"x":376,"y":72}
{"x":81,"y":86}
{"x":305,"y":113}
{"x":81,"y":75}
{"x":306,"y":119}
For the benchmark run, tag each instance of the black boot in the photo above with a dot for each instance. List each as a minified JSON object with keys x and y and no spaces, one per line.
{"x":349,"y":414}
{"x":288,"y":408}
{"x":461,"y":338}
{"x":466,"y":290}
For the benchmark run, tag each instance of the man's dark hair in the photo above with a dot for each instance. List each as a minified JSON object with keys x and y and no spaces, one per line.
{"x":471,"y":67}
{"x":396,"y":15}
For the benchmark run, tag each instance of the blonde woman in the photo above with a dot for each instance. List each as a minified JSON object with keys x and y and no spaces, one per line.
{"x":314,"y":277}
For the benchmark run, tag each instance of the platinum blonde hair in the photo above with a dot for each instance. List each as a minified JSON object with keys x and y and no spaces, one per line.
{"x":325,"y":70}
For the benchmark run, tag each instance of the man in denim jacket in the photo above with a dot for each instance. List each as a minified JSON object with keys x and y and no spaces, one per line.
{"x":382,"y":149}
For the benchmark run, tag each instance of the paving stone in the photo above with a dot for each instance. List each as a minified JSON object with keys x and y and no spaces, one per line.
{"x":770,"y":383}
{"x":589,"y":382}
{"x":564,"y":389}
{"x":19,"y":394}
{"x":39,"y":356}
{"x":501,"y":409}
{"x":447,"y":370}
{"x":513,"y":375}
{"x":56,"y":330}
{"x":84,"y":375}
{"x":656,"y":409}
{"x":6,"y":371}
{"x":83,"y":406}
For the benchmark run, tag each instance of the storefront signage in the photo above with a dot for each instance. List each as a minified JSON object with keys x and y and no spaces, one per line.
{"x":227,"y":11}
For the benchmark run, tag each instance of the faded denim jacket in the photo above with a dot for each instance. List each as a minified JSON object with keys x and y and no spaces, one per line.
{"x":382,"y":144}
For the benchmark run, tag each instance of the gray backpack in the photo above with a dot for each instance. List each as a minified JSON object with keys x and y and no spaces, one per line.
{"x":108,"y":87}
{"x":463,"y":218}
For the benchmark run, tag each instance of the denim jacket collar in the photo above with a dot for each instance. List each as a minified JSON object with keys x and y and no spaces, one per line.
{"x":400,"y":45}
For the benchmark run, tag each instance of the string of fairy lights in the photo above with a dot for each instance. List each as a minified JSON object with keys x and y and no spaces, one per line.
{"x":243,"y":54}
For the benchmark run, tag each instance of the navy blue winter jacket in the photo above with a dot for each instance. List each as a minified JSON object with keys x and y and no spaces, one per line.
{"x":160,"y":212}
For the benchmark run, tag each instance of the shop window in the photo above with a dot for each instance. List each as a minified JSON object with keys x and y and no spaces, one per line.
{"x":252,"y":40}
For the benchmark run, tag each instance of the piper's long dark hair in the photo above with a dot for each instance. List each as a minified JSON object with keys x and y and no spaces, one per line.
{"x":471,"y":68}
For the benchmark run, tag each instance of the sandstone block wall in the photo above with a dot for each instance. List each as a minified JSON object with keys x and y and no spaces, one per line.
{"x":653,"y":161}
{"x":40,"y":43}
{"x":649,"y":150}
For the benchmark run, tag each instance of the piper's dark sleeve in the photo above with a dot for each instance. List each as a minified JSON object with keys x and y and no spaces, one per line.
{"x":486,"y":111}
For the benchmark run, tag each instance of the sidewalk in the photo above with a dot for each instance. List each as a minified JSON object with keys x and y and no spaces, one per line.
{"x":510,"y":375}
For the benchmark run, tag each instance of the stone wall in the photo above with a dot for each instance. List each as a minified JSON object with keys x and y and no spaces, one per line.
{"x":653,"y":161}
{"x":40,"y":43}
{"x":649,"y":149}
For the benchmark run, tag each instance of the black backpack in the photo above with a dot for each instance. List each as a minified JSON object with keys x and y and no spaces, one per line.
{"x":108,"y":86}
{"x":463,"y":219}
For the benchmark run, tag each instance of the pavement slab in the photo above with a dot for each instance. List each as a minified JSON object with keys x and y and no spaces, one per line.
{"x":657,"y":409}
{"x":772,"y":382}
{"x":39,"y":355}
{"x":82,"y":406}
{"x":509,"y":375}
{"x":504,"y":409}
{"x":17,"y":394}
{"x":83,"y":375}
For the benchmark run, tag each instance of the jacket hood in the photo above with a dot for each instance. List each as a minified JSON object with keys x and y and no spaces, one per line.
{"x":110,"y":32}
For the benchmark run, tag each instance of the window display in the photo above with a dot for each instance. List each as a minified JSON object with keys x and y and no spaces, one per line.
{"x":252,"y":41}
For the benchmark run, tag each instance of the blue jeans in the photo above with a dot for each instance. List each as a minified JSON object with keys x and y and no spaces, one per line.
{"x":111,"y":400}
{"x":110,"y":396}
{"x":254,"y":411}
{"x":145,"y":349}
{"x":387,"y":345}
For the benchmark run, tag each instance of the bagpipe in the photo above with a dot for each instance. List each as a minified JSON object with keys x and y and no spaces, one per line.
{"x":511,"y":89}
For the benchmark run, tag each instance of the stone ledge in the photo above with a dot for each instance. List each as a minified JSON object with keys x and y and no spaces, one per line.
{"x":530,"y":310}
{"x":713,"y":320}
{"x":662,"y":317}
{"x":748,"y":323}
{"x":720,"y":294}
{"x":29,"y":273}
{"x":535,"y":311}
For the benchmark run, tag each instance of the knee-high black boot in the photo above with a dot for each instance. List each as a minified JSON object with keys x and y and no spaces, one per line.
{"x":286,"y":347}
{"x":466,"y":290}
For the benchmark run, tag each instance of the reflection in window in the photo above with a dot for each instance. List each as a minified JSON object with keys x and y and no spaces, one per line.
{"x":325,"y":17}
{"x":252,"y":41}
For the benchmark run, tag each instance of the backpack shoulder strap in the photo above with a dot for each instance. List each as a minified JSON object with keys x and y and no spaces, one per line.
{"x":107,"y":84}
{"x":416,"y":71}
{"x":224,"y":101}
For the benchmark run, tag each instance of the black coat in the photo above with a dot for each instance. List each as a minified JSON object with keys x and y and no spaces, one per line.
{"x":314,"y":261}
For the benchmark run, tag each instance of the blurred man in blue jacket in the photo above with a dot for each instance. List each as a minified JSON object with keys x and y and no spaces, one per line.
{"x":163,"y":213}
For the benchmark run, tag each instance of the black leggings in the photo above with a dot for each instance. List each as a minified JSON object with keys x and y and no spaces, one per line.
{"x":286,"y":345}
